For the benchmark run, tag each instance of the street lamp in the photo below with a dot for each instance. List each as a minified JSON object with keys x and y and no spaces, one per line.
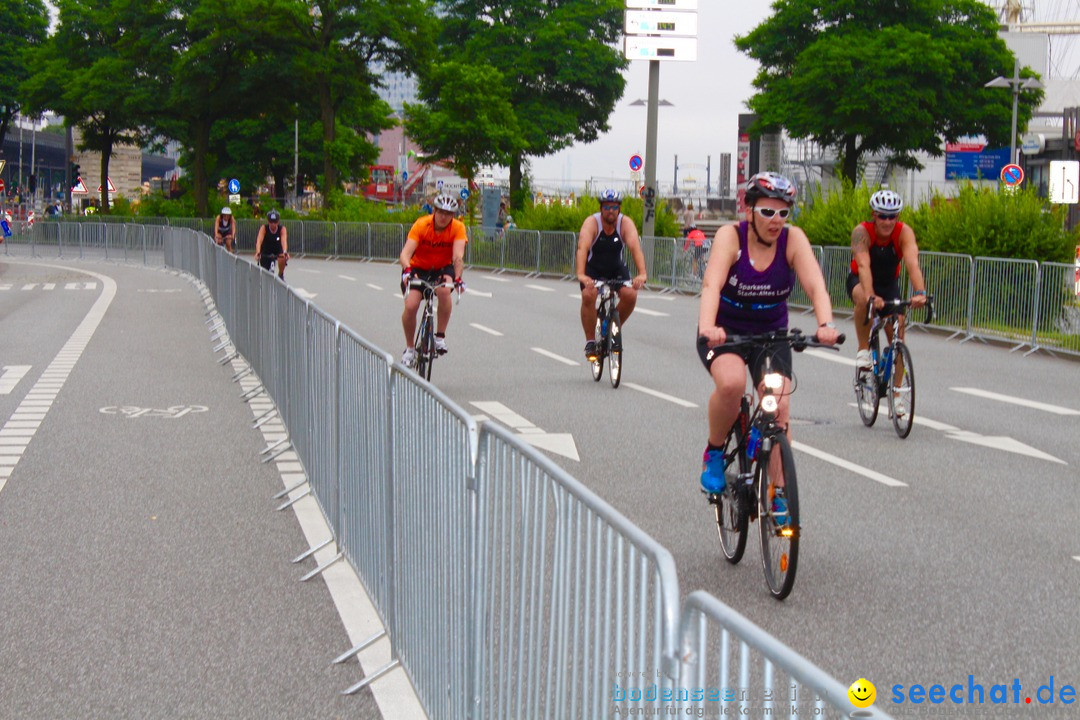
{"x":1017,"y":85}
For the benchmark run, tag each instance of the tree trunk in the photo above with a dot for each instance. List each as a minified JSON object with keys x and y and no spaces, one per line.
{"x":326,"y":112}
{"x":516,"y":201}
{"x":850,"y":169}
{"x":202,"y":148}
{"x":106,"y":155}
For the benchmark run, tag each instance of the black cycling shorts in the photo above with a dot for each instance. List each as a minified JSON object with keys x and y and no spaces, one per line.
{"x":887,"y":292}
{"x":267,"y":260}
{"x":621,"y":276}
{"x":752,"y":355}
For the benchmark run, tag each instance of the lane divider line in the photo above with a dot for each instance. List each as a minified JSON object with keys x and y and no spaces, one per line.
{"x":658,"y":394}
{"x":848,"y":465}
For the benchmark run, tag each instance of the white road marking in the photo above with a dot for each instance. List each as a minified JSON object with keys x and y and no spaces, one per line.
{"x":654,"y":313}
{"x":1056,"y":409}
{"x":309,"y":270}
{"x":541,"y":288}
{"x":654,"y":296}
{"x":346,"y":277}
{"x":496,"y":278}
{"x":55,"y":375}
{"x":1076,"y":558}
{"x":830,"y":355}
{"x":304,"y":293}
{"x":658,"y":394}
{"x":553,"y":356}
{"x":561,"y":443}
{"x":574,"y":296}
{"x":11,"y":376}
{"x":488,"y":330}
{"x":470,"y":291}
{"x":847,"y":465}
{"x":373,"y":286}
{"x":998,"y":442}
{"x":48,"y":286}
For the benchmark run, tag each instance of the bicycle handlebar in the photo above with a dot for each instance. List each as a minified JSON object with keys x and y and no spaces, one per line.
{"x":899,"y":305}
{"x":793,"y":337}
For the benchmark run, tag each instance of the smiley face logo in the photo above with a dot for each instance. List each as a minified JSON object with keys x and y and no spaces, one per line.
{"x":862,"y":693}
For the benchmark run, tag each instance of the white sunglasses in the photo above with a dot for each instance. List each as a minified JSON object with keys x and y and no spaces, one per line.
{"x":768,"y":212}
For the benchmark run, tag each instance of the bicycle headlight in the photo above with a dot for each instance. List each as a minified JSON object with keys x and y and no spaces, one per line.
{"x":774,"y":381}
{"x":769,"y":403}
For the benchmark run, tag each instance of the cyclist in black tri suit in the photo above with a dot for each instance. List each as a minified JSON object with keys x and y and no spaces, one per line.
{"x":225,"y":228}
{"x":272,"y":244}
{"x":601,"y":241}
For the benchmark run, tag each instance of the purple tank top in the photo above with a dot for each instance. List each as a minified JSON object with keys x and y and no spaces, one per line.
{"x":752,"y":300}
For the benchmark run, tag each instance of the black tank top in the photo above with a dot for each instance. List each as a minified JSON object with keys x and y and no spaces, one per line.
{"x":272,"y":240}
{"x":224,"y":229}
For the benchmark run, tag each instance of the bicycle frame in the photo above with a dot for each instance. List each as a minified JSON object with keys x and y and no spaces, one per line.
{"x":425,"y":328}
{"x":608,"y":333}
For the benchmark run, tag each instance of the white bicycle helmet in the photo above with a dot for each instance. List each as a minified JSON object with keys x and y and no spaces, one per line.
{"x":609,"y":196}
{"x":445,"y":202}
{"x":886,"y":201}
{"x":226,"y":211}
{"x":769,"y":185}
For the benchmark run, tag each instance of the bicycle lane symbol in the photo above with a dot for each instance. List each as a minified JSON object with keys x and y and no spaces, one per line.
{"x":173,"y":412}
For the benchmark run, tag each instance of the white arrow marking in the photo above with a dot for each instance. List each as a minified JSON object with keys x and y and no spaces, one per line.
{"x":488,"y":330}
{"x":560,"y":443}
{"x":999,"y":442}
{"x":11,"y":376}
{"x":840,"y":462}
{"x":553,"y":356}
{"x":658,"y":394}
{"x":304,"y":293}
{"x":1057,"y":409}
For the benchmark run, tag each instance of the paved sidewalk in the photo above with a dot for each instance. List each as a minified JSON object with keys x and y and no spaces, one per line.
{"x":146,"y":571}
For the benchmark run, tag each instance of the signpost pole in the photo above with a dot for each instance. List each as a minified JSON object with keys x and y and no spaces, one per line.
{"x":648,"y":224}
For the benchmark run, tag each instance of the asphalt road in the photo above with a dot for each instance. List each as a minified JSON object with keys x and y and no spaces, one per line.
{"x":967,"y":564}
{"x":145,"y":572}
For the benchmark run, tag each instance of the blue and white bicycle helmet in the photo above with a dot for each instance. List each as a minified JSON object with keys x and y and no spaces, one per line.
{"x":610,"y":196}
{"x":769,"y":185}
{"x":445,"y":202}
{"x":886,"y":201}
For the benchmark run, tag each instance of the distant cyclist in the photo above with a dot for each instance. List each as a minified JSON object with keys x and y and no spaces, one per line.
{"x":435,"y":252}
{"x":272,"y":244}
{"x":877,"y":247}
{"x":751,"y":271}
{"x":601,"y":241}
{"x":225,"y":229}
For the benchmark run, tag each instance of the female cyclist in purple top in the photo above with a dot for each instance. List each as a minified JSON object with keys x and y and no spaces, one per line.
{"x":750,"y":274}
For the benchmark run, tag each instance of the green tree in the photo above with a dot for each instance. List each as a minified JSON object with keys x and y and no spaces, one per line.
{"x":560,"y":60}
{"x":83,"y":74}
{"x":23,"y":26}
{"x":892,"y":76}
{"x":338,"y":49}
{"x":466,"y":119}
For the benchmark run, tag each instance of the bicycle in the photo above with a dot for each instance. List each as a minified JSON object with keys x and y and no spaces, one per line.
{"x":424,"y":342}
{"x":753,"y":478}
{"x":608,"y":333}
{"x":892,"y":373}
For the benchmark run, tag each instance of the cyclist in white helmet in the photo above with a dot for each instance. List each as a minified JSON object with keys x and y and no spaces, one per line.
{"x":877,"y":247}
{"x":601,"y":241}
{"x":434,"y":251}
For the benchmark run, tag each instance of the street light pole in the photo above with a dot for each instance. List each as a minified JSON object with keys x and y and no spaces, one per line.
{"x":1016,"y":85}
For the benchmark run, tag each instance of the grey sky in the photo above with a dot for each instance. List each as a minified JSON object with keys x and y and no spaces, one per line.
{"x":708,"y":96}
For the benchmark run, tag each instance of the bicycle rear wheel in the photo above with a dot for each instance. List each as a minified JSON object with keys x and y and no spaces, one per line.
{"x":779,"y":540}
{"x":902,"y":391}
{"x":613,"y":342}
{"x":730,"y":506}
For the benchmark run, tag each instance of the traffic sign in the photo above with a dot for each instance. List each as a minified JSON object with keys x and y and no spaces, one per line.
{"x":1,"y":185}
{"x":464,"y":193}
{"x":1064,"y":181}
{"x":644,"y":47}
{"x":108,"y":181}
{"x":78,"y":188}
{"x":2,"y":163}
{"x":1012,"y":174}
{"x":635,"y":162}
{"x":404,"y":175}
{"x":234,"y":186}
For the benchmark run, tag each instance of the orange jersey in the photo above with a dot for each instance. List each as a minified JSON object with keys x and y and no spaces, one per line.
{"x":434,"y":250}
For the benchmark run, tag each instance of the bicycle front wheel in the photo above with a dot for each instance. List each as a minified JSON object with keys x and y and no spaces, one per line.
{"x":779,"y":528}
{"x":598,"y":363}
{"x":866,"y":395}
{"x":902,"y":391}
{"x":425,"y":348}
{"x":613,"y":342}
{"x":731,"y":507}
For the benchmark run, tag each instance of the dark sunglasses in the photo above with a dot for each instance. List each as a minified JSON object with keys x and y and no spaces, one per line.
{"x":610,"y":207}
{"x":767,"y":212}
{"x":888,"y":216}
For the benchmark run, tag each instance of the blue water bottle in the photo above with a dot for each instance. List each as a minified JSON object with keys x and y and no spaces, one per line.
{"x":753,"y":442}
